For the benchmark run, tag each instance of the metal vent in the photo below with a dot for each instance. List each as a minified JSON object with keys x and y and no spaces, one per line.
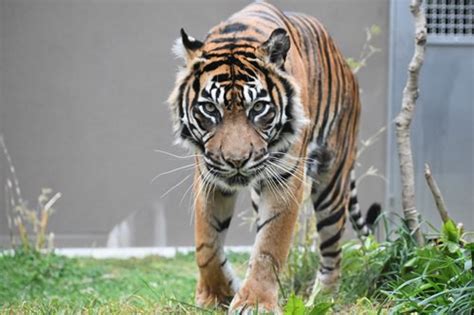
{"x":450,"y":18}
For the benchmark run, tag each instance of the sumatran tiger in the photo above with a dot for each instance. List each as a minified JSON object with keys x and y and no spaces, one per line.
{"x":268,"y":102}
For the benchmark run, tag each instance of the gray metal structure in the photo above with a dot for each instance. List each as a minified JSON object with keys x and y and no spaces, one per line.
{"x":443,"y":127}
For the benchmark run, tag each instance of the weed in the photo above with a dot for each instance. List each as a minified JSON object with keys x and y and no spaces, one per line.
{"x":31,"y":224}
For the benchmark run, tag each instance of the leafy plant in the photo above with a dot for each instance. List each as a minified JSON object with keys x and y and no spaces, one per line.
{"x":436,"y":278}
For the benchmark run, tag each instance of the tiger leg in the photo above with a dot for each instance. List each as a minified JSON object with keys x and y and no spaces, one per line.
{"x":277,"y":214}
{"x":330,"y":207}
{"x":213,"y":213}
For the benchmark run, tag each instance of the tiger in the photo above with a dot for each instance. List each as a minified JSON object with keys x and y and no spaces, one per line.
{"x":267,"y":102}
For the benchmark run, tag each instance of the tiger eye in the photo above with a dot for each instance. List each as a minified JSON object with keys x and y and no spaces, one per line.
{"x":209,"y":107}
{"x":258,"y":107}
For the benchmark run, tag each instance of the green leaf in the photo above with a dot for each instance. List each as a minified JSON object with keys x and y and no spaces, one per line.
{"x":470,"y":246}
{"x":451,"y":232}
{"x":375,"y":29}
{"x":410,"y":263}
{"x":425,"y":286}
{"x":452,"y":247}
{"x":353,"y":64}
{"x":321,"y":308}
{"x":294,"y":306}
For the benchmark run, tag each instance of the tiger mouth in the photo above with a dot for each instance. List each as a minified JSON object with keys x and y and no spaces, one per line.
{"x":238,"y":180}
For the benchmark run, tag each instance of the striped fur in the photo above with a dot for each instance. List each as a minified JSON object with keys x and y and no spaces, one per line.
{"x":268,"y":102}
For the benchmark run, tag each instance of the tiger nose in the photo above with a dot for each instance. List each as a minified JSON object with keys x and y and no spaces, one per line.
{"x":238,"y":162}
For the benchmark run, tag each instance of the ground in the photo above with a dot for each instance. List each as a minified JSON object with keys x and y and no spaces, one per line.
{"x":55,"y":284}
{"x":394,"y":276}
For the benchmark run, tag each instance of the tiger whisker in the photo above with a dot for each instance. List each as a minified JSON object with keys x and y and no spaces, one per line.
{"x":185,"y":193}
{"x":196,"y":194}
{"x":289,"y":156}
{"x":286,"y":168}
{"x":282,"y":167}
{"x":175,"y":186}
{"x":175,"y":155}
{"x":271,"y":184}
{"x":188,"y":166}
{"x":203,"y":185}
{"x":200,"y":164}
{"x":274,"y":177}
{"x":284,"y":185}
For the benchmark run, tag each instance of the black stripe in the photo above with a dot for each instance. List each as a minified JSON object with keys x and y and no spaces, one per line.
{"x":353,"y":201}
{"x":202,"y":121}
{"x":260,"y":226}
{"x":203,"y":245}
{"x":205,"y":264}
{"x":338,"y":87}
{"x":337,"y":199}
{"x":235,"y":39}
{"x":186,"y":134}
{"x":356,"y":216}
{"x":331,"y":254}
{"x":353,"y":184}
{"x":233,"y":28}
{"x":320,"y":87}
{"x":326,"y":269}
{"x":329,"y":188}
{"x":224,"y":262}
{"x":231,"y":60}
{"x":254,"y":206}
{"x":327,"y":108}
{"x":309,"y":37}
{"x":336,"y":176}
{"x":214,"y":65}
{"x":180,"y":98}
{"x":332,"y":219}
{"x":323,"y":268}
{"x":221,"y":225}
{"x":331,"y":241}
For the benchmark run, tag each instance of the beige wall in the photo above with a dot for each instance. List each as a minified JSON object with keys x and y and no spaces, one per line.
{"x":83,"y":85}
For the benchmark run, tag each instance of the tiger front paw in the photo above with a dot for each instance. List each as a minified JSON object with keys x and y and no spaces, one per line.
{"x":207,"y":296}
{"x":255,"y":296}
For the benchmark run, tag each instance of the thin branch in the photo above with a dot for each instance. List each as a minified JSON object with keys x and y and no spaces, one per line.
{"x":438,"y":197}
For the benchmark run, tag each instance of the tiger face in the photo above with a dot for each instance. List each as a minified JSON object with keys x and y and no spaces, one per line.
{"x":236,"y":106}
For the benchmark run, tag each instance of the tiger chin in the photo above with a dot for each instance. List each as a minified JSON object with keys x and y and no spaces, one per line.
{"x":267,"y":102}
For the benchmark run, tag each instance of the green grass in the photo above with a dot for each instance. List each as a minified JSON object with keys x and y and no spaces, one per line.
{"x":392,"y":276}
{"x":33,"y":283}
{"x":44,"y":284}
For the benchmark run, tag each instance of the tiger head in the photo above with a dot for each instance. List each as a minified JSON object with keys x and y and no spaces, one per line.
{"x":236,"y":105}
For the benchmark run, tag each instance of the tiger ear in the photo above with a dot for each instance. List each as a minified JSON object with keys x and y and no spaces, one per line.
{"x":188,"y":48}
{"x":276,"y":47}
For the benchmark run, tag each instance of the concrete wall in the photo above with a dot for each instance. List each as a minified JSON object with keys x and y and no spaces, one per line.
{"x":83,"y":86}
{"x":442,"y":127}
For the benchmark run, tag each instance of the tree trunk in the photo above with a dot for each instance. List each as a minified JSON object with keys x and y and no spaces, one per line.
{"x":403,"y":121}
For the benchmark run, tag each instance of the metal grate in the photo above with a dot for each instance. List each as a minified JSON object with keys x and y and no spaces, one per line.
{"x":447,"y":18}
